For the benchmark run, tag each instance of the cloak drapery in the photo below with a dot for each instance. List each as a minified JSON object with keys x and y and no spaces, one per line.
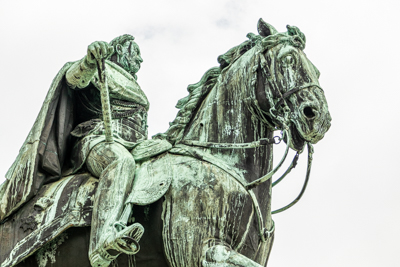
{"x":41,"y":157}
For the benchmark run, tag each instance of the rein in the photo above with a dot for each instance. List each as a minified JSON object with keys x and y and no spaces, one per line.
{"x":310,"y":149}
{"x":262,"y":142}
{"x":264,"y":233}
{"x":263,"y":179}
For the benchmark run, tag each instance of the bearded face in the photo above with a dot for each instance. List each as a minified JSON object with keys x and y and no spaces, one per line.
{"x":129,"y":57}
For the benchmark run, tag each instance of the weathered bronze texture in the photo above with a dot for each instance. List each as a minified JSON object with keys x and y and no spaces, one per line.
{"x":89,"y":188}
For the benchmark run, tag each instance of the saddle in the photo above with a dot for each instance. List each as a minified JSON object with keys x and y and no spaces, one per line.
{"x":69,"y":202}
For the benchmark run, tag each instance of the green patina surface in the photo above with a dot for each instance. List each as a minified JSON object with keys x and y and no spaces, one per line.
{"x":204,"y":168}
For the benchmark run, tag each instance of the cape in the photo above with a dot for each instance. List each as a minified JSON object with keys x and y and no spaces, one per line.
{"x":42,"y":156}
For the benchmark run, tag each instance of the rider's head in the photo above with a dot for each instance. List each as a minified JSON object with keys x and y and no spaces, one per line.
{"x":126,"y":53}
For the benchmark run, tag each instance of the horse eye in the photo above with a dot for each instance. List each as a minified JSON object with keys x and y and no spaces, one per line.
{"x":288,"y":61}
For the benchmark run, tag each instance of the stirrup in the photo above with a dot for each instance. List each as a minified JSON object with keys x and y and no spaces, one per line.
{"x":125,"y":241}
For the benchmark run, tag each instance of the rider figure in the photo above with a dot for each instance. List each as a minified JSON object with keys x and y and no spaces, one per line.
{"x":112,"y":162}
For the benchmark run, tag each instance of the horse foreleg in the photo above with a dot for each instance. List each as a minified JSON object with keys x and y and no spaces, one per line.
{"x":223,"y":256}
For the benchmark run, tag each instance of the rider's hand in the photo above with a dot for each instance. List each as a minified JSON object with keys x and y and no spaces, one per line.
{"x":98,"y":50}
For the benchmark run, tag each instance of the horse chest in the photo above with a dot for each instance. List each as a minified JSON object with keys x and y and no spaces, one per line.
{"x":203,"y":203}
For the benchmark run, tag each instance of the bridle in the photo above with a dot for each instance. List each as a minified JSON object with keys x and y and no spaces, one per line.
{"x":283,"y":122}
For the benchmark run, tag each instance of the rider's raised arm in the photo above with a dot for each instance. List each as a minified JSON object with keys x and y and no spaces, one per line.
{"x":81,"y":72}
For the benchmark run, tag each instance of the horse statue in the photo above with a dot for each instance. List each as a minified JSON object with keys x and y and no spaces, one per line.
{"x":211,"y":191}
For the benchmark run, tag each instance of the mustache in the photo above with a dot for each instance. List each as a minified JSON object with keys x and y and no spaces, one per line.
{"x":131,"y":65}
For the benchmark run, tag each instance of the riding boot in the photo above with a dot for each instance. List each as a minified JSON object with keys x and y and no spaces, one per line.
{"x":110,"y":236}
{"x":125,"y":241}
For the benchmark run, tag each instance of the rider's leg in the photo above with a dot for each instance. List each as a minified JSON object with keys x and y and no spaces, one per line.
{"x":224,"y":256}
{"x":115,"y":167}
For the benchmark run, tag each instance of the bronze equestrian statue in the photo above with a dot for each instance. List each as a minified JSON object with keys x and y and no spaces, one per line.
{"x":88,"y":188}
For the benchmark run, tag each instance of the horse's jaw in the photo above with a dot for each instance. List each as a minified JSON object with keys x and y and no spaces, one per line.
{"x":297,"y":143}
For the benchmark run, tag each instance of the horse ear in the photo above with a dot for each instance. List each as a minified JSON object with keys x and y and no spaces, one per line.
{"x":265,"y":29}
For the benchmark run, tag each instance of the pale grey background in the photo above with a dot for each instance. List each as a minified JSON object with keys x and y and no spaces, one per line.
{"x":349,"y":215}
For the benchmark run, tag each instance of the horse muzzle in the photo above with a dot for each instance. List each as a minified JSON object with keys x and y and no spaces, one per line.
{"x":311,"y":119}
{"x":312,"y":123}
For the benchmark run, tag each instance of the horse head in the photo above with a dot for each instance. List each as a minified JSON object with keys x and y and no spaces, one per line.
{"x":274,"y":79}
{"x":288,"y":92}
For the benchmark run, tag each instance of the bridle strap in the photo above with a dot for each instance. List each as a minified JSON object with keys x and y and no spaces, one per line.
{"x":294,"y":90}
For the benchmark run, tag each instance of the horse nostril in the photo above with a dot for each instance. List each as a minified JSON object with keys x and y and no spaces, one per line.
{"x":309,"y":113}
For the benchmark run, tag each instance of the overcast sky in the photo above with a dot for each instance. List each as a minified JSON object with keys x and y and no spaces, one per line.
{"x":349,"y":215}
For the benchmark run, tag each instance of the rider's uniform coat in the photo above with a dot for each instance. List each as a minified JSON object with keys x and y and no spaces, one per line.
{"x":65,"y":129}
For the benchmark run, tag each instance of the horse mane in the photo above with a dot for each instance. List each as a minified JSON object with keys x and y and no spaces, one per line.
{"x":199,"y":90}
{"x":188,"y":104}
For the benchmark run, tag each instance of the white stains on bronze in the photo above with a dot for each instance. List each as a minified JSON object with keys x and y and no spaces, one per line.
{"x":48,"y":251}
{"x":220,"y":255}
{"x":55,"y":192}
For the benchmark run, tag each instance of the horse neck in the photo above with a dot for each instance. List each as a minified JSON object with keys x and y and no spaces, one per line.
{"x":225,"y":117}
